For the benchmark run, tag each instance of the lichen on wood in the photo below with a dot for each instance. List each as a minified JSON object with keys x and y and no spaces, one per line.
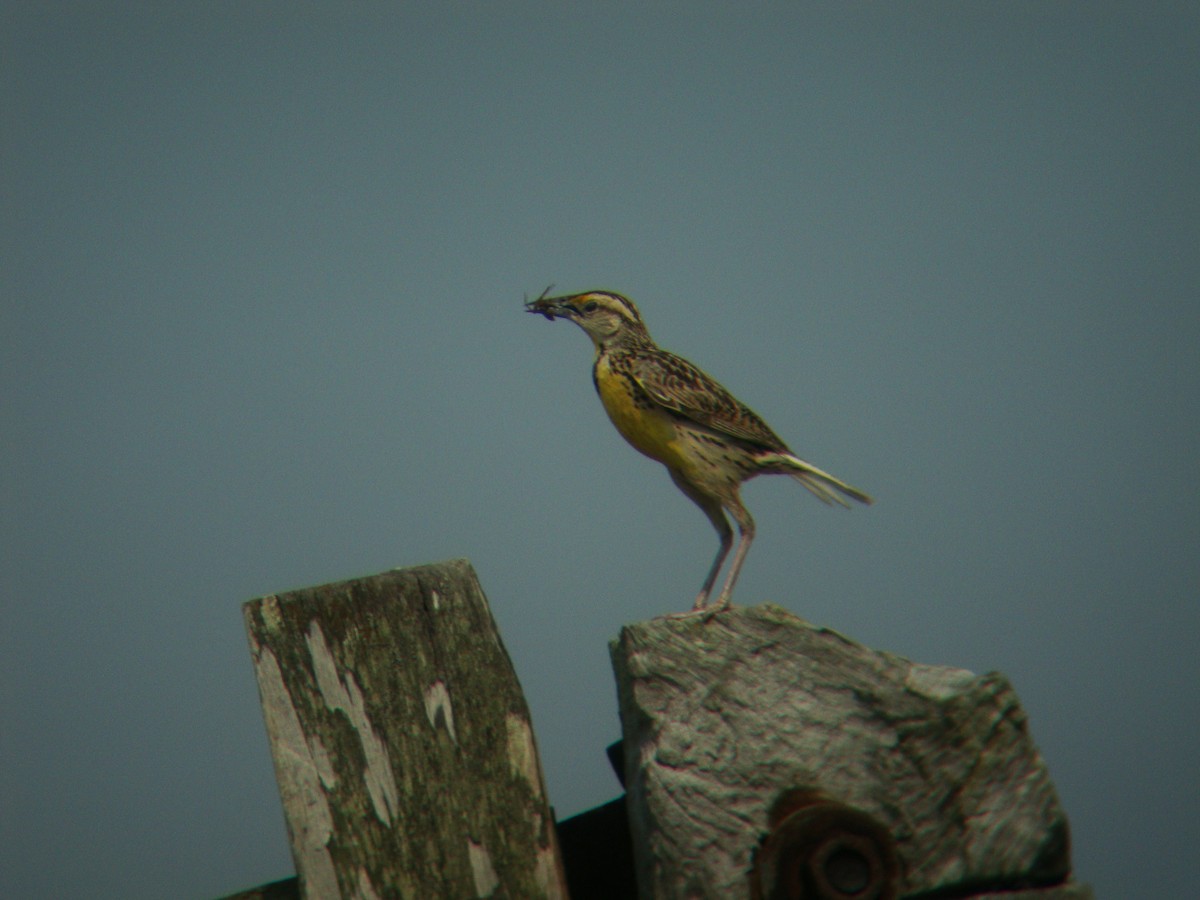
{"x":391,"y":707}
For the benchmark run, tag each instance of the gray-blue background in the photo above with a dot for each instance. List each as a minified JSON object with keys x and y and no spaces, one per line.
{"x":261,"y":328}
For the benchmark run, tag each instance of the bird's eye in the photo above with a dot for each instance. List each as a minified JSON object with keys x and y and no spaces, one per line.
{"x":590,"y":306}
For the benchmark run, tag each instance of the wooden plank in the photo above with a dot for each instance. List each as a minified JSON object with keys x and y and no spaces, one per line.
{"x":402,"y":743}
{"x":723,"y":718}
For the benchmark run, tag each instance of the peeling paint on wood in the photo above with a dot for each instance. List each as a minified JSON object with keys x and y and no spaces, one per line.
{"x":481,"y":869}
{"x":438,"y":708}
{"x":522,"y":753}
{"x":343,"y":694}
{"x":366,"y":890}
{"x":299,"y":773}
{"x":361,"y":684}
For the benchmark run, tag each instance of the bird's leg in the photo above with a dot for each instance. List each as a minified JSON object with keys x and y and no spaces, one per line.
{"x":716,"y":514}
{"x":745,"y":536}
{"x":726,"y":535}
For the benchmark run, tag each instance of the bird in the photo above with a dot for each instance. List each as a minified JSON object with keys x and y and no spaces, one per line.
{"x":671,"y":411}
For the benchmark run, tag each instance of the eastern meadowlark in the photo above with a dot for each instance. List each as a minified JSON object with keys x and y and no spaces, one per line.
{"x":672,"y":412}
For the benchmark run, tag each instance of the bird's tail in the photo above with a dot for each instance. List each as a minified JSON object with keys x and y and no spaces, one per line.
{"x":824,"y":486}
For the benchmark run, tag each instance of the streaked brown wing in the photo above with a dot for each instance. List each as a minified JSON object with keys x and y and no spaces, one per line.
{"x":679,"y":386}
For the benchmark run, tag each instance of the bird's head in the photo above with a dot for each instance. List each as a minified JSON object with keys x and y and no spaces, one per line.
{"x":608,"y":318}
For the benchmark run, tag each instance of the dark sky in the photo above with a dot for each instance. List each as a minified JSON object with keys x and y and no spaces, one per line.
{"x":260,"y":328}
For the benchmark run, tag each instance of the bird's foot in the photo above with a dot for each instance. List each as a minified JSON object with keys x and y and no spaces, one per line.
{"x":704,"y":610}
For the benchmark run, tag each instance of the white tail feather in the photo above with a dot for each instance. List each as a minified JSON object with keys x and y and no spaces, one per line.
{"x":820,"y":482}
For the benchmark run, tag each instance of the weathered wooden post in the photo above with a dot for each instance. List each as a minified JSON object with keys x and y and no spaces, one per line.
{"x":766,"y":757}
{"x":401,"y":740}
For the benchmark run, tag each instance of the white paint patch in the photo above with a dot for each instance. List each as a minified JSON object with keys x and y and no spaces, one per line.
{"x":522,"y":752}
{"x":366,"y":890}
{"x":481,"y":869}
{"x":345,"y":695}
{"x":322,"y":762}
{"x":437,"y":705}
{"x":545,"y":875}
{"x":299,"y":775}
{"x":270,"y":612}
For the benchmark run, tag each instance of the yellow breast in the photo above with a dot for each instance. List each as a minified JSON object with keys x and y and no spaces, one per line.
{"x":649,"y":429}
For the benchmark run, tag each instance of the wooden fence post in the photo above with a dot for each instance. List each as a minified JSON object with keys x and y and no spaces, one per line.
{"x":769,"y":758}
{"x":401,"y":740}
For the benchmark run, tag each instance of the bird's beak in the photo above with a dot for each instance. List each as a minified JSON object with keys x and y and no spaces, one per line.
{"x":552,"y":307}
